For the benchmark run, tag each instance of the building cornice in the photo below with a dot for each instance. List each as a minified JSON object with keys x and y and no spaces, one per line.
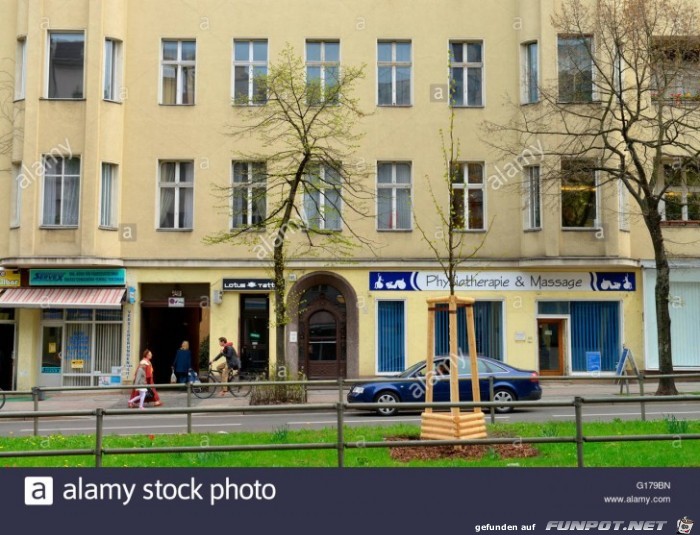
{"x":312,"y":263}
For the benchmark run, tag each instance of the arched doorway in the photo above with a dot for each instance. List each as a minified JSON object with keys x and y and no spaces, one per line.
{"x":323,"y":332}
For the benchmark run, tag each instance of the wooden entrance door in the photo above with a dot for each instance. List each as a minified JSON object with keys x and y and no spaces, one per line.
{"x":550,"y":339}
{"x":322,"y":344}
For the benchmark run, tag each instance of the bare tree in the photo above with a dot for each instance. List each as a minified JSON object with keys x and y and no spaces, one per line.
{"x":306,"y":184}
{"x":625,"y":106}
{"x":7,"y":112}
{"x":447,"y":240}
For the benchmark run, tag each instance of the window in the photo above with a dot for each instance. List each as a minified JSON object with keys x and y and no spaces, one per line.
{"x":61,"y":191}
{"x":178,"y":72}
{"x":579,"y":199}
{"x":530,"y":91}
{"x":533,"y":198}
{"x":249,"y":194}
{"x":21,"y":69}
{"x":66,"y":59}
{"x":391,"y":336}
{"x":575,"y":68}
{"x":466,"y":73}
{"x":93,"y":337}
{"x":112,"y":76}
{"x":394,"y":196}
{"x":682,"y":197}
{"x":322,"y":70}
{"x":676,"y":65}
{"x":488,"y":320}
{"x":468,"y":196}
{"x":322,"y":198}
{"x":176,"y":195}
{"x":16,"y":195}
{"x":109,"y":196}
{"x":394,"y":73}
{"x":249,"y":71}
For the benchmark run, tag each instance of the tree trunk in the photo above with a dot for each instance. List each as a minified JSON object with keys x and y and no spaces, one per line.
{"x":662,"y":292}
{"x":280,"y":308}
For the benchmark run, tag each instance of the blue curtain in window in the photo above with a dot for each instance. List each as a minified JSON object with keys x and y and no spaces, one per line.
{"x":488,"y":319}
{"x":595,"y":326}
{"x":391,"y":328}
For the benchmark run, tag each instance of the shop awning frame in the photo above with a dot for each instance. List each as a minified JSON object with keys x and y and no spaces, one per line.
{"x":62,"y":298}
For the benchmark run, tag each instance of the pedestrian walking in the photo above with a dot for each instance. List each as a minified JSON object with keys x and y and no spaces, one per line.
{"x":182,"y":362}
{"x":140,"y":388}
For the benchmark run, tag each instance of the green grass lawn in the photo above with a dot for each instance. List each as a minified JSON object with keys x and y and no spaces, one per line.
{"x":678,"y":452}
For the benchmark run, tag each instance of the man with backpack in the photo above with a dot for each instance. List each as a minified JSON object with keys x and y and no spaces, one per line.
{"x":227,"y":358}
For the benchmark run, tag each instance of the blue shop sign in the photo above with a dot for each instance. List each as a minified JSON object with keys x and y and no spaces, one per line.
{"x":77,"y":277}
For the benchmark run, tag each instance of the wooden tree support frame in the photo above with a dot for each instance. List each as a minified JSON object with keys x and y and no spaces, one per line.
{"x":453,"y":425}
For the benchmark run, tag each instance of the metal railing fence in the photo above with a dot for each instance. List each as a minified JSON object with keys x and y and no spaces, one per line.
{"x":340,"y":408}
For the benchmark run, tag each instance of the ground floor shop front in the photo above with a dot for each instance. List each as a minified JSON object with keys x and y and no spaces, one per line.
{"x":684,"y":308}
{"x":347,"y":322}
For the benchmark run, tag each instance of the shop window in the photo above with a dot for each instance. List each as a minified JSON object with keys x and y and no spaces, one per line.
{"x":488,"y":317}
{"x":391,"y":336}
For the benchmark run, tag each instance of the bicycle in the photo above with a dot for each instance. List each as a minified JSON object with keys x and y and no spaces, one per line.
{"x":208,"y":384}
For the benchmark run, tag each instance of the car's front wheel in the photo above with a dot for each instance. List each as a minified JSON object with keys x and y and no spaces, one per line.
{"x":387,"y":397}
{"x":503,"y":394}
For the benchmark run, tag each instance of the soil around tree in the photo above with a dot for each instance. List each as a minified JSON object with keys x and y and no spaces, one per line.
{"x":516,"y":450}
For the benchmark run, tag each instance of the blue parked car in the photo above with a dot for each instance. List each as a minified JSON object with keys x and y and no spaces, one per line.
{"x":506,"y":388}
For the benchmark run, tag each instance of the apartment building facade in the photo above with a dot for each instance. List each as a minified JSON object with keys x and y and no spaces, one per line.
{"x":120,"y":145}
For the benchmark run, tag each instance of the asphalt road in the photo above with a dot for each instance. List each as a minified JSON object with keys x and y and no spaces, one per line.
{"x":140,"y":423}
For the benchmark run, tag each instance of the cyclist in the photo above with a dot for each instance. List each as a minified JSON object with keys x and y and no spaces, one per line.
{"x":225,"y":360}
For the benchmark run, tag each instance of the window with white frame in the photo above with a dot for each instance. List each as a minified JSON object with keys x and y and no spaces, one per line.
{"x":468,"y":196}
{"x":530,"y":82}
{"x":322,"y":70}
{"x":109,"y":196}
{"x":249,"y":194}
{"x":533,"y":198}
{"x":66,"y":65}
{"x":322,"y":197}
{"x":681,"y":200}
{"x":391,"y":336}
{"x":249,"y":71}
{"x":394,"y":196}
{"x":61,"y":191}
{"x":176,"y":186}
{"x":178,"y":66}
{"x":111,"y":86}
{"x":394,"y":73}
{"x":579,"y":194}
{"x":676,"y":68}
{"x":466,"y":73}
{"x":575,"y":56}
{"x":21,"y":68}
{"x":16,"y":195}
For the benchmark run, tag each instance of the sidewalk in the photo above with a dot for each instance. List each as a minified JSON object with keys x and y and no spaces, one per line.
{"x":553,"y":390}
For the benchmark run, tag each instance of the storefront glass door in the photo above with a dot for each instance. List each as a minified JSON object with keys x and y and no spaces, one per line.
{"x":550,"y":336}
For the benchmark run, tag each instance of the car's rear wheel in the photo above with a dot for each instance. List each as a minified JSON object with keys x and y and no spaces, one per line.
{"x":387,"y":397}
{"x":503,"y":394}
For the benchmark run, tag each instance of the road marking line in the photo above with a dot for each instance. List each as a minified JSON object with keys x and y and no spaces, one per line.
{"x":107,"y":428}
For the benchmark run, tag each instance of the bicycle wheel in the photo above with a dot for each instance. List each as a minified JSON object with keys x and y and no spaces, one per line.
{"x":2,"y":399}
{"x":206,"y":387}
{"x":240,"y":391}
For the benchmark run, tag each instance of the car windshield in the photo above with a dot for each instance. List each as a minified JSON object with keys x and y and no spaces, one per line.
{"x":410,"y":371}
